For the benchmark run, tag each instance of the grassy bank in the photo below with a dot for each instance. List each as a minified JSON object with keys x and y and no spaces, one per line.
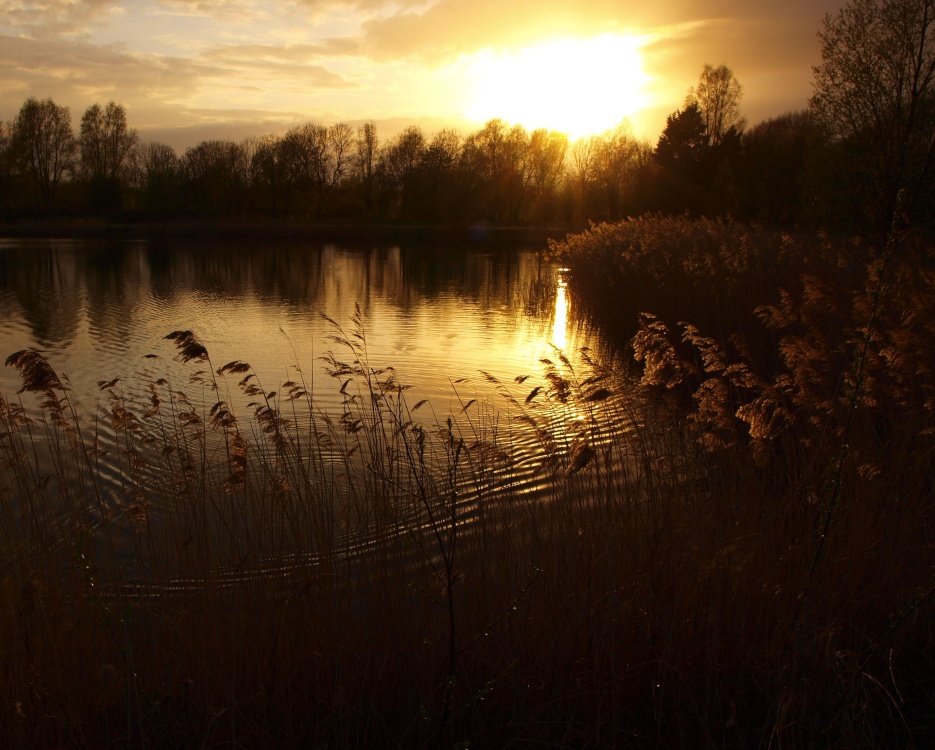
{"x":729,"y":546}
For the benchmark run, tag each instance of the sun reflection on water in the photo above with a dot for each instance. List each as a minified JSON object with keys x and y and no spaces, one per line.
{"x":560,"y":319}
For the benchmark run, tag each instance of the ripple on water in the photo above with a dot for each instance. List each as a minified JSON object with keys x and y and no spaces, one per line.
{"x":439,"y":321}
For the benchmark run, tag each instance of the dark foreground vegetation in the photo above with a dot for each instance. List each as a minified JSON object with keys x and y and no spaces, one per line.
{"x":796,"y":376}
{"x":732,"y":544}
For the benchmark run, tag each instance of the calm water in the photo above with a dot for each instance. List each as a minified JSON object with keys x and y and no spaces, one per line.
{"x":439,"y":317}
{"x":95,"y":309}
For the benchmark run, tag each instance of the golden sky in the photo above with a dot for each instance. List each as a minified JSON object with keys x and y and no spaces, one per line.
{"x":192,"y":69}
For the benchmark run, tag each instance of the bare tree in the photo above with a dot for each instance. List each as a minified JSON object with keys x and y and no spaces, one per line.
{"x":619,"y":162}
{"x":158,"y":161}
{"x":106,"y":141}
{"x":216,"y":175}
{"x":547,"y":151}
{"x":398,"y":167}
{"x":581,"y":173}
{"x":717,"y":95}
{"x":546,"y":162}
{"x":367,"y":144}
{"x":296,"y":155}
{"x":251,"y":146}
{"x":6,"y":132}
{"x":315,"y":159}
{"x":44,"y":146}
{"x":340,"y":142}
{"x":269,"y":177}
{"x":365,"y":160}
{"x":436,"y":177}
{"x":157,"y":174}
{"x":873,"y":95}
{"x":498,"y":155}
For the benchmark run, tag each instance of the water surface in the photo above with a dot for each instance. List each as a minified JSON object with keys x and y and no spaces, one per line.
{"x":99,"y":310}
{"x":96,"y":308}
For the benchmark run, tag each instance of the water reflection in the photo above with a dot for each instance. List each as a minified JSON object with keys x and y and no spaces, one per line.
{"x":46,"y":295}
{"x":560,"y":319}
{"x":459,"y":328}
{"x":97,"y":308}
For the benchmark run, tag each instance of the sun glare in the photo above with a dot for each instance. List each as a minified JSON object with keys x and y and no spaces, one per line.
{"x":560,"y":319}
{"x":577,"y":86}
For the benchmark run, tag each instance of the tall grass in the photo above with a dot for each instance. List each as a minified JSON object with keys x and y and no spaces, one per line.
{"x":294,"y":577}
{"x":728,"y":545}
{"x":799,"y":371}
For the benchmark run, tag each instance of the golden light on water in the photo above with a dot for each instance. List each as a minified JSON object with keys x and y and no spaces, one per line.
{"x":560,"y":319}
{"x":576,"y":86}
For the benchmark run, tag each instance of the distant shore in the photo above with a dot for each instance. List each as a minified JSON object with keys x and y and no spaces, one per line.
{"x":474,"y":235}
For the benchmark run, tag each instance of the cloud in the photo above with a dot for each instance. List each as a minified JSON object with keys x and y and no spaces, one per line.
{"x":268,"y":62}
{"x":450,"y":28}
{"x":771,"y":57}
{"x":78,"y":74}
{"x":52,"y":17}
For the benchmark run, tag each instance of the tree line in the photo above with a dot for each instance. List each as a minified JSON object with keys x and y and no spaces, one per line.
{"x":861,"y":151}
{"x":502,"y":173}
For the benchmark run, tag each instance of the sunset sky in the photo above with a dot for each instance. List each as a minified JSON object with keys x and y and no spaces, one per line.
{"x":191,"y":69}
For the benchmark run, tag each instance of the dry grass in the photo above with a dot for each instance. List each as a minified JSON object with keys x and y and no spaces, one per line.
{"x":296,"y":578}
{"x":730,"y":548}
{"x":804,"y":384}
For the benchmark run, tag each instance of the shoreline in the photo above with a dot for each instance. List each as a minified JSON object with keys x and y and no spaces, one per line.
{"x":475,"y":235}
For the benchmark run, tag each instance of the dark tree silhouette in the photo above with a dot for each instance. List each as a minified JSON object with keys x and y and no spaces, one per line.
{"x":682,"y":153}
{"x":496,"y":157}
{"x":874,"y":98}
{"x":619,"y":165}
{"x":581,"y":168}
{"x":718,"y":95}
{"x":43,"y":146}
{"x":367,"y":145}
{"x":398,"y":169}
{"x":684,"y":140}
{"x":270,"y":178}
{"x":436,"y":176}
{"x":546,"y":161}
{"x":338,"y":162}
{"x":304,"y":157}
{"x":6,"y":166}
{"x":605,"y":175}
{"x":106,"y":144}
{"x":771,"y":171}
{"x":157,"y":177}
{"x":215,"y":177}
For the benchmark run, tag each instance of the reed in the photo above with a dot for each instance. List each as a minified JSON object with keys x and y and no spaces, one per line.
{"x":802,"y":386}
{"x":711,"y":554}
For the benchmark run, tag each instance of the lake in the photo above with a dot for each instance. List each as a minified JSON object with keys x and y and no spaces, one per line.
{"x":96,"y":308}
{"x":459,"y":328}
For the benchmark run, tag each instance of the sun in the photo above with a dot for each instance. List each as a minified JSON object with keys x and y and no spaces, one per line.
{"x":577,"y":86}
